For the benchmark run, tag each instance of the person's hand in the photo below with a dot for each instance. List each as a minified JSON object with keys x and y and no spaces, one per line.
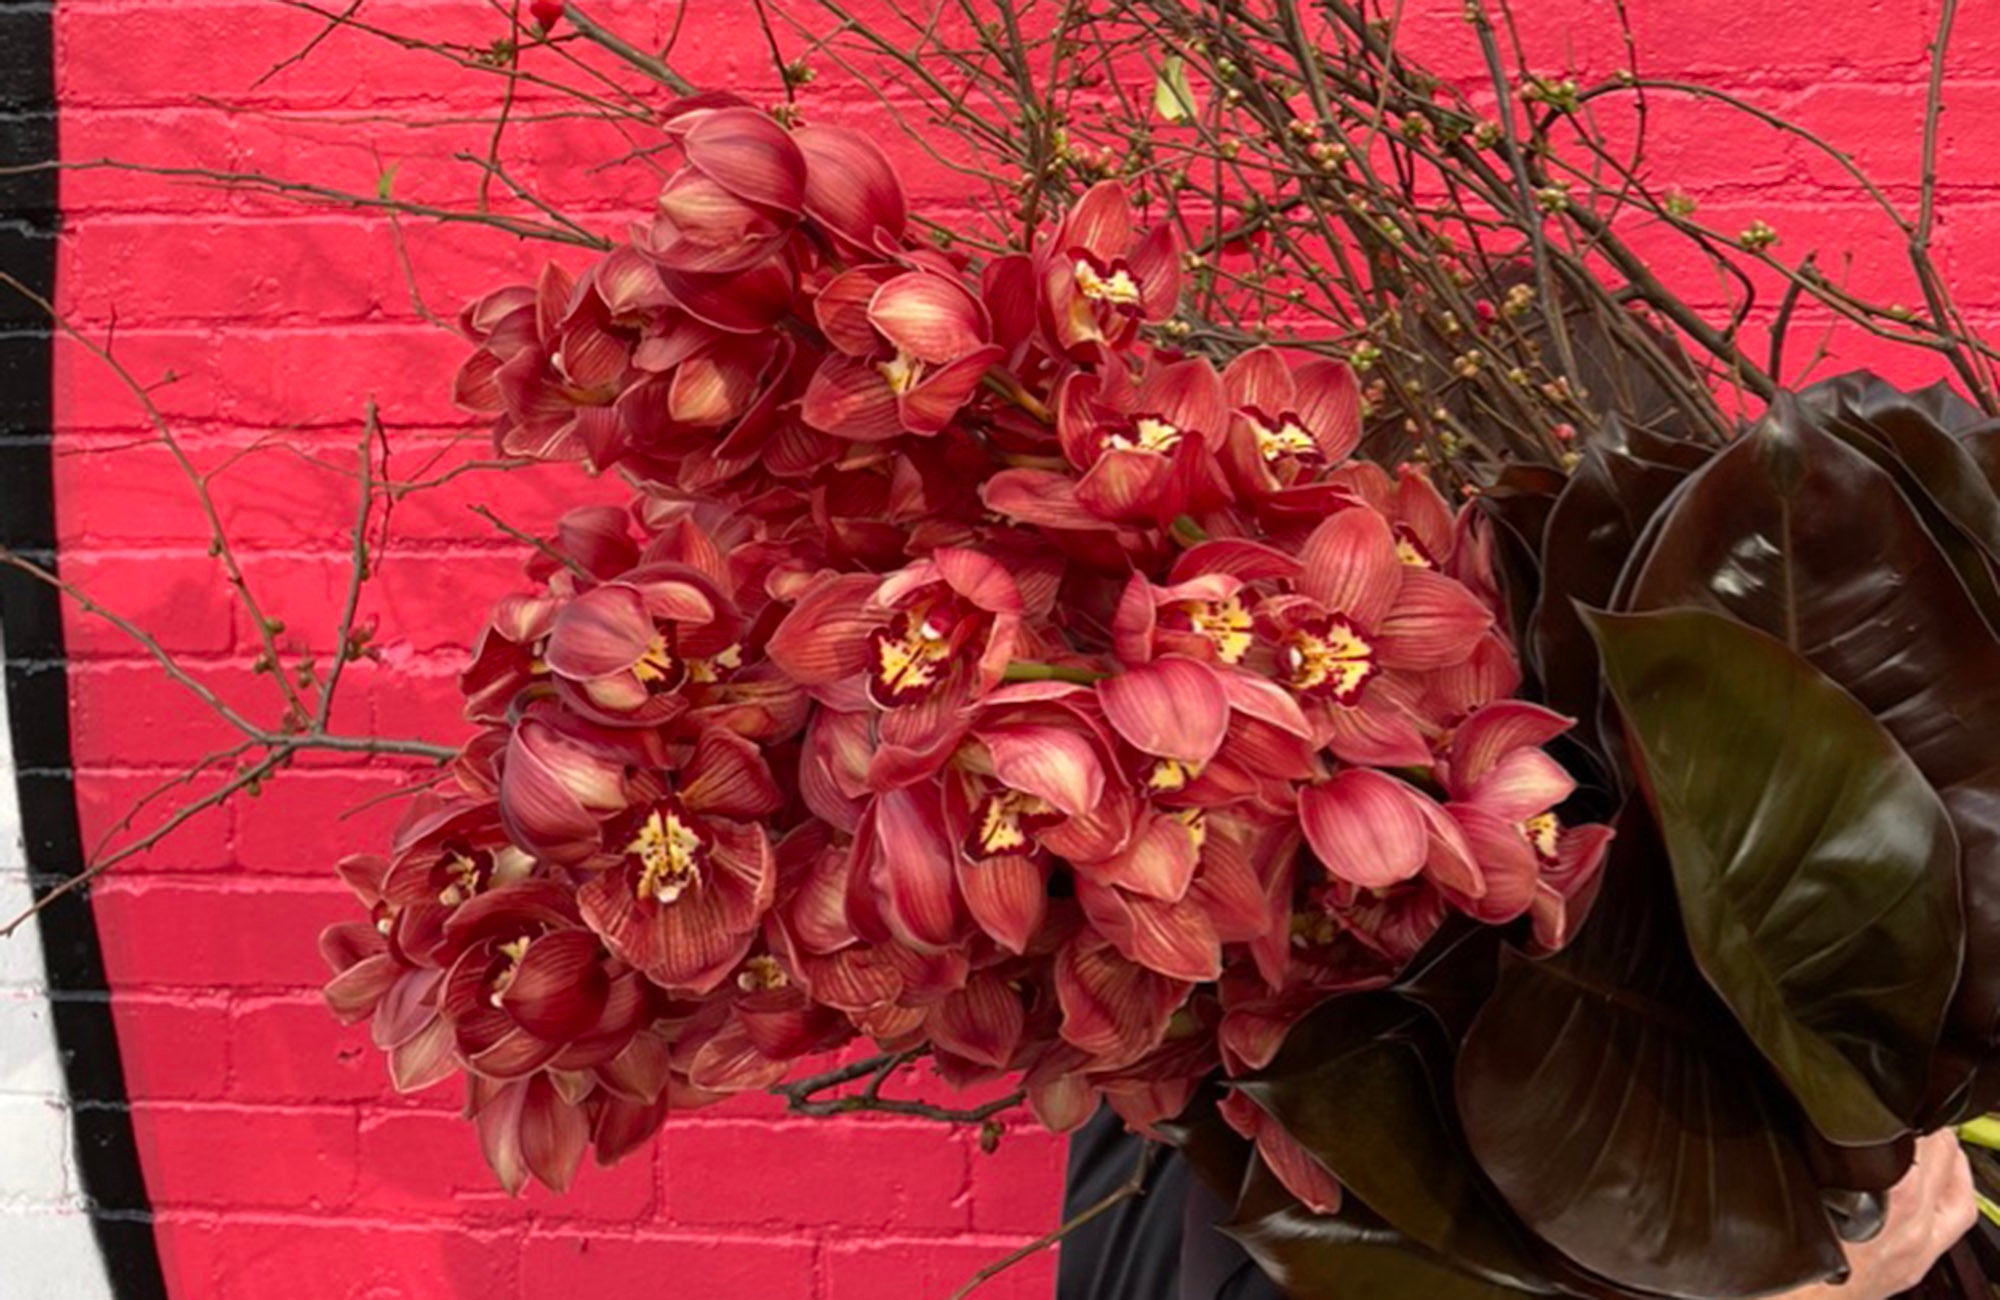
{"x":1927,"y":1213}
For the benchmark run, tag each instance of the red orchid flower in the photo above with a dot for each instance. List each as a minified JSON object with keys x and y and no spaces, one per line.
{"x":1357,"y":618}
{"x":911,"y":347}
{"x":385,"y":971}
{"x":1099,"y":280}
{"x":1287,"y":424}
{"x":531,"y":987}
{"x":1503,"y":790}
{"x":1146,"y":451}
{"x":686,"y":875}
{"x":626,"y":649}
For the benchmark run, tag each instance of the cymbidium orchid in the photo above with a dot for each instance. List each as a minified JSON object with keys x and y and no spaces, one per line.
{"x":969,"y":675}
{"x":1100,"y":278}
{"x":911,"y":348}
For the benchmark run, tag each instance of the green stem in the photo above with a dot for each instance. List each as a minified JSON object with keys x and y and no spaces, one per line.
{"x":1022,"y":670}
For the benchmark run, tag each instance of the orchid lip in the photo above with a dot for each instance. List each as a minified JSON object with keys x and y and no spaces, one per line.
{"x":671,"y":855}
{"x":1329,"y":657}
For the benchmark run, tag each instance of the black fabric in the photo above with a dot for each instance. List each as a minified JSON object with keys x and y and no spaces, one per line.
{"x":1159,"y":1246}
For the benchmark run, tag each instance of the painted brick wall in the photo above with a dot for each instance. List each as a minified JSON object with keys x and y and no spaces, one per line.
{"x":278,"y":1159}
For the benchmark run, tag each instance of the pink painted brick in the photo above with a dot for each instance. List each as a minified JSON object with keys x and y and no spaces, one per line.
{"x":849,"y":1175}
{"x":173,"y":1048}
{"x":291,"y":1049}
{"x":162,"y":934}
{"x":931,"y":1270}
{"x":1013,"y":1189}
{"x":558,"y":1267}
{"x":300,"y":1160}
{"x":428,"y":1163}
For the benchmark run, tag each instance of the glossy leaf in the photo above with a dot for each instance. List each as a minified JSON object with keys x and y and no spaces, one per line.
{"x":1909,"y":436}
{"x":1597,"y":522}
{"x":1816,"y":868}
{"x":1385,"y":1058}
{"x":1622,"y":1114}
{"x":1344,"y":1256}
{"x":1795,"y":532}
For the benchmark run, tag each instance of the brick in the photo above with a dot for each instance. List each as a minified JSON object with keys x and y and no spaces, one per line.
{"x":1731,"y":37}
{"x":237,"y":1257}
{"x":428,"y":1163}
{"x":291,"y":1049}
{"x":164,"y":934}
{"x":302,"y":267}
{"x":1018,"y":1188}
{"x":178,"y":370}
{"x":312,"y":819}
{"x":859,"y":1175}
{"x":35,"y":1135}
{"x":301,"y":1159}
{"x":200,"y":844}
{"x":174,"y":1049}
{"x":135,"y":715}
{"x":180,"y":599}
{"x":598,"y":1265}
{"x":901,"y":1270}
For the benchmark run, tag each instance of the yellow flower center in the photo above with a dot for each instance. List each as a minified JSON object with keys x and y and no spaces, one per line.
{"x":1332,"y":659}
{"x":1544,"y":834}
{"x":1411,"y":551}
{"x":902,"y":371}
{"x":911,"y":655}
{"x":761,"y":974}
{"x":669,"y":853}
{"x":514,"y":950}
{"x":1002,"y":822}
{"x":1196,"y":822}
{"x":466,"y":879}
{"x":1149,"y":433}
{"x":1115,"y":286}
{"x":1311,"y":929}
{"x":1226,"y":623}
{"x":1287,"y":438}
{"x":710,"y":670}
{"x":659,"y":667}
{"x":1170,"y":774}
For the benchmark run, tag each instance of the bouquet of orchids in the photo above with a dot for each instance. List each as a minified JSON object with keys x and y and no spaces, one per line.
{"x":972,"y":674}
{"x":983,"y":672}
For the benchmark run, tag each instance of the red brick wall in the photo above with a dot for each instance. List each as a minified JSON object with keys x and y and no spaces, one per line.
{"x":280,"y":1162}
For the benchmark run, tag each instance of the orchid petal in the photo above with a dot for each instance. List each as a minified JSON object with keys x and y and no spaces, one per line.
{"x":851,"y":185}
{"x":1435,"y":623}
{"x":559,"y":987}
{"x":915,"y":871}
{"x":1173,"y":707}
{"x":1007,"y":896}
{"x":749,"y":153}
{"x":1351,"y":567}
{"x":1365,"y":827}
{"x":929,"y":317}
{"x":982,"y":1022}
{"x":1051,"y":763}
{"x":1329,"y":404}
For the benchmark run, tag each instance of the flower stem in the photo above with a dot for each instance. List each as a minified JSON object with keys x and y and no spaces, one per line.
{"x":1022,"y":670}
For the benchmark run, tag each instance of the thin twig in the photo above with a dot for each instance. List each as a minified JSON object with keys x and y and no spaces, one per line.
{"x":1130,"y":1189}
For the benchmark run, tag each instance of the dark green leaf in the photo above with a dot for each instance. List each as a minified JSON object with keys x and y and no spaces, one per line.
{"x":1624,"y":476}
{"x":1362,"y":1083}
{"x":1613,"y":1100}
{"x":1796,"y":532}
{"x":1349,"y":1256}
{"x":1910,"y":437}
{"x":1816,"y":868}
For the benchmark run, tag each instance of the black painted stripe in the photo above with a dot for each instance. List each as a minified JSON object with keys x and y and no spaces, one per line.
{"x":107,"y":1157}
